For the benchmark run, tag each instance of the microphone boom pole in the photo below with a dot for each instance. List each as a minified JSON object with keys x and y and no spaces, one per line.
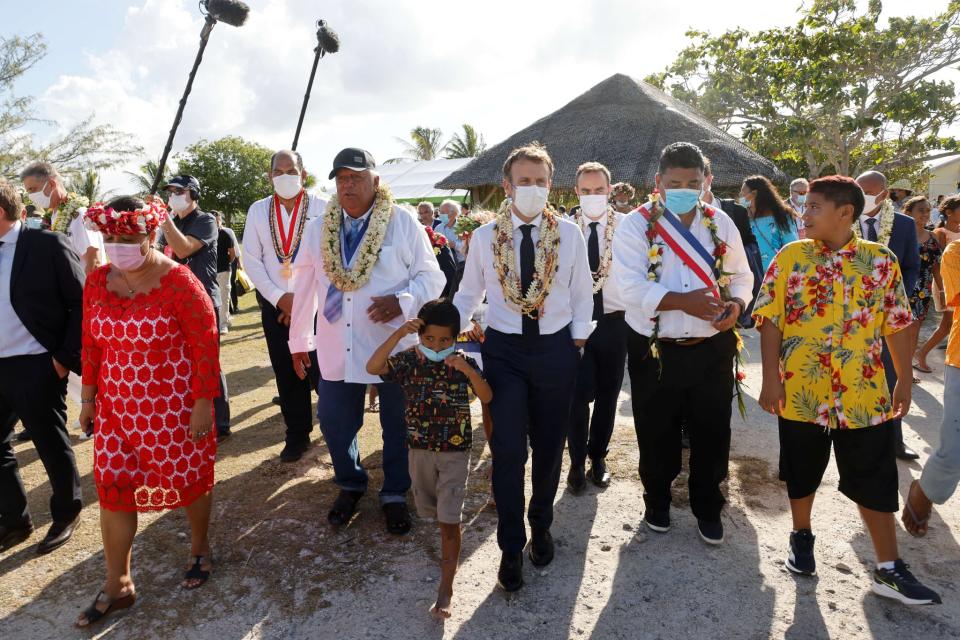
{"x":327,"y":41}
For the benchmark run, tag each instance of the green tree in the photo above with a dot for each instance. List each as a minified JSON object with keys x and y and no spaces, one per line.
{"x":424,"y":144}
{"x":143,"y":180}
{"x":84,"y":146}
{"x":87,"y":184}
{"x":469,"y":145}
{"x":232,"y":173}
{"x":836,"y":92}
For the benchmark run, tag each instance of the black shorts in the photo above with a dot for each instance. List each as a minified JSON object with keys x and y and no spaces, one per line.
{"x":865,"y":461}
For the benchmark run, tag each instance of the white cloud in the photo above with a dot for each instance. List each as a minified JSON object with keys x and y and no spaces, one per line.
{"x":498,"y":65}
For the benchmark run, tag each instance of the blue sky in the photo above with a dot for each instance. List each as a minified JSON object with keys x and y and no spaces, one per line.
{"x":498,"y":65}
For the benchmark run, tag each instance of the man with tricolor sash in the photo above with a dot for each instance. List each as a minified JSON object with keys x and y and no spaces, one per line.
{"x":684,"y":279}
{"x":271,"y":246}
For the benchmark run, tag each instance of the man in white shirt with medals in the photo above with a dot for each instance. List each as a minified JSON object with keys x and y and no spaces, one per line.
{"x":684,"y":278}
{"x":271,"y":246}
{"x":532,"y":265}
{"x":364,"y":268}
{"x":600,"y":374}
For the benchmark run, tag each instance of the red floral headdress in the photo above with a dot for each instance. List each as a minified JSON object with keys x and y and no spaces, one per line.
{"x":109,"y":221}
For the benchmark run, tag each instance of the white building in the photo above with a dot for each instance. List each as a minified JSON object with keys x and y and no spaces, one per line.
{"x":944,"y":176}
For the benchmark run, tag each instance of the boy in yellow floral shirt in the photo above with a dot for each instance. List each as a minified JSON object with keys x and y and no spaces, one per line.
{"x":823,"y":309}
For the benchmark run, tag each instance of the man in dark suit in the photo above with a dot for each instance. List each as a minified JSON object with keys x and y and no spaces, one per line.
{"x":41,"y":302}
{"x":900,"y":236}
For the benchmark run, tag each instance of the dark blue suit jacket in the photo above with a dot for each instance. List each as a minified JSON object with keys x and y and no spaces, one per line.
{"x":903,"y":243}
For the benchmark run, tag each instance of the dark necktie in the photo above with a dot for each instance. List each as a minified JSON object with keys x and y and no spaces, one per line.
{"x":531,"y":326}
{"x":593,"y":255}
{"x":872,"y":229}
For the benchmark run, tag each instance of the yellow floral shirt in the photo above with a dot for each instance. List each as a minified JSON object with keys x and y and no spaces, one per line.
{"x":833,"y":307}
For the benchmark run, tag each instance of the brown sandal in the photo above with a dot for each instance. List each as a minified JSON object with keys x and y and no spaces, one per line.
{"x":912,"y":521}
{"x":94,"y":615}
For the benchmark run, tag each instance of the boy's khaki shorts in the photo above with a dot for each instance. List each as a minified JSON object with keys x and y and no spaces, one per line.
{"x":439,"y":483}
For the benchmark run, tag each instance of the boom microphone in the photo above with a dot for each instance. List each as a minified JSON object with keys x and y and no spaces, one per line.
{"x":328,"y":38}
{"x":233,"y":12}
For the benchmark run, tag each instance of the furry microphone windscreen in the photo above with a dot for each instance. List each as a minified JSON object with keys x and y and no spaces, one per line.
{"x":233,"y":12}
{"x":329,"y":40}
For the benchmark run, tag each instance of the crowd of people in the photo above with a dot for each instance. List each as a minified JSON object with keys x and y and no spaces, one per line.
{"x":535,"y":313}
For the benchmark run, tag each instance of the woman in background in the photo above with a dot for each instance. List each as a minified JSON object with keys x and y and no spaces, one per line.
{"x":771,"y":220}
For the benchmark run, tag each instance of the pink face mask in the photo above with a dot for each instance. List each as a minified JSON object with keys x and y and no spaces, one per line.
{"x":126,"y":257}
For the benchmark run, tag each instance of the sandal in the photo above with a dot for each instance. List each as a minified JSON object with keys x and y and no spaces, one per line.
{"x":916,"y":365}
{"x":94,"y":615}
{"x":398,"y":517}
{"x":344,"y":507}
{"x":196,"y":572}
{"x":912,"y":522}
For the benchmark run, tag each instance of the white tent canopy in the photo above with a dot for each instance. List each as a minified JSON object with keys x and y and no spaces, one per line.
{"x":414,"y":180}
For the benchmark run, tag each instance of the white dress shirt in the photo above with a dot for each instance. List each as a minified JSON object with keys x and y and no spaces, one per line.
{"x":643,"y":296}
{"x":81,"y":238}
{"x":865,"y":227}
{"x":406,"y":268}
{"x":259,"y":257}
{"x":15,"y":340}
{"x":612,"y":300}
{"x":569,"y":301}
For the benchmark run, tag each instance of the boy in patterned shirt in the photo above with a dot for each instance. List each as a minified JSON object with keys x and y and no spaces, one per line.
{"x":824,"y":307}
{"x":435,"y":380}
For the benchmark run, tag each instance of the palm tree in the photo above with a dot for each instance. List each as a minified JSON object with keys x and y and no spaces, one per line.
{"x":469,"y":145}
{"x":143,"y":181}
{"x":87,"y":184}
{"x":424,"y":144}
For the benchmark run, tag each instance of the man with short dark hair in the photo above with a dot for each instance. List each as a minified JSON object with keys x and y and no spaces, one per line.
{"x":190,"y":238}
{"x":685,"y":280}
{"x":41,"y":303}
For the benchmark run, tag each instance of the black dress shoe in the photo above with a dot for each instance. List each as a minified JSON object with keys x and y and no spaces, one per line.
{"x":903,"y":452}
{"x":599,"y":475}
{"x":541,"y":547}
{"x":23,"y":436}
{"x":343,"y":507}
{"x":576,"y":480}
{"x":223,"y":435}
{"x":510,"y":576}
{"x":12,"y":535}
{"x":276,"y":400}
{"x":58,"y":535}
{"x":293,"y":451}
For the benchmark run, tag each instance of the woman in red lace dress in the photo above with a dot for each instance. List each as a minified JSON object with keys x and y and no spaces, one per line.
{"x":150,"y":372}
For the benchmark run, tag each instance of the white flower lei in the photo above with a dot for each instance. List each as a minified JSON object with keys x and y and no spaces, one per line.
{"x":603,"y":270}
{"x":369,"y":249}
{"x":545,"y":264}
{"x":885,"y":228}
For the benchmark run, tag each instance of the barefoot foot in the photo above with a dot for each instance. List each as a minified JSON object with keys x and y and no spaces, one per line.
{"x":442,"y":609}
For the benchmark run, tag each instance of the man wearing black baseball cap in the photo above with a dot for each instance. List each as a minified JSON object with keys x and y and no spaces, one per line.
{"x":363,"y":269}
{"x":190,"y":238}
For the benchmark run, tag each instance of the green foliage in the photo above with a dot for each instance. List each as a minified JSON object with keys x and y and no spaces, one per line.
{"x":836,"y":92}
{"x":232,"y":173}
{"x":469,"y":145}
{"x":87,"y":184}
{"x":83,"y":147}
{"x":424,"y":144}
{"x":143,"y":181}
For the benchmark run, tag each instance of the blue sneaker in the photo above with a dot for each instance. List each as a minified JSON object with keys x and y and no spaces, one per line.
{"x":899,"y":584}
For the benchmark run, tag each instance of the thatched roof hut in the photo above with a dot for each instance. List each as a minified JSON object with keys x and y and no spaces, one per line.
{"x":623,"y":123}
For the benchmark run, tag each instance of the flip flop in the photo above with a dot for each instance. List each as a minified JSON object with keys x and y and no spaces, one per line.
{"x":343,"y":507}
{"x":94,"y":615}
{"x":919,"y":524}
{"x":922,"y":369}
{"x":398,"y":517}
{"x":195,"y":572}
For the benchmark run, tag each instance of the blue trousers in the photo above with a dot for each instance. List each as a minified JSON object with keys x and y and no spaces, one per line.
{"x":340,"y":410}
{"x":533,"y":380}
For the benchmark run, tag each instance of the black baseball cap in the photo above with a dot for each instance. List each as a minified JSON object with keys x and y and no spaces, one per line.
{"x":184,"y":181}
{"x":351,"y":158}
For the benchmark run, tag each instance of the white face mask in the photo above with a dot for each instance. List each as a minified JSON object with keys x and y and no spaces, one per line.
{"x":126,"y":257}
{"x":178,"y":202}
{"x":287,"y":186}
{"x":530,"y":200}
{"x":870,"y":202}
{"x":39,"y":198}
{"x":593,"y":206}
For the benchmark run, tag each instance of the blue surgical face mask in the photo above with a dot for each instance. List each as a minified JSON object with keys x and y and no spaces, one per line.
{"x":744,"y":202}
{"x":436,"y":356}
{"x":33,"y":223}
{"x":681,"y":201}
{"x":801,"y":198}
{"x":443,"y":218}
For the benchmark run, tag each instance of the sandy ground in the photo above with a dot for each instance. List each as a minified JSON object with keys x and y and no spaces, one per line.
{"x":283,"y":573}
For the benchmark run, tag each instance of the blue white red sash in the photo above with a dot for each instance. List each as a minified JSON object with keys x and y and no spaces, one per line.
{"x":686,"y":247}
